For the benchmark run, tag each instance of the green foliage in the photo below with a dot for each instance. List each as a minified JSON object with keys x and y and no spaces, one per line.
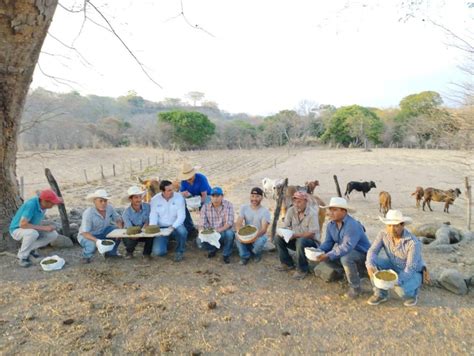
{"x":424,"y":103}
{"x":190,"y":129}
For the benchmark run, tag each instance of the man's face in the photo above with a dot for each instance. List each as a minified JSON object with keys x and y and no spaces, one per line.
{"x":300,"y":204}
{"x":46,"y":204}
{"x":395,"y":230}
{"x":191,"y":180}
{"x":100,"y":204}
{"x":168,"y":192}
{"x":336,"y":214}
{"x":136,"y":200}
{"x":216,"y":199}
{"x":255,"y":199}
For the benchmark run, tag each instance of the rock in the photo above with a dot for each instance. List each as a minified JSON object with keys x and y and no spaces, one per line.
{"x":269,"y":246}
{"x":446,"y":235}
{"x":453,"y":281}
{"x":427,"y":230}
{"x":426,"y":240}
{"x":442,"y":248}
{"x":467,"y":236}
{"x":62,"y":241}
{"x":327,"y":274}
{"x":453,"y":259}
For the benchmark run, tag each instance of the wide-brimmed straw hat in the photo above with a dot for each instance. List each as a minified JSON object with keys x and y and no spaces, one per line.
{"x":395,"y":217}
{"x":99,"y":193}
{"x":337,"y":202}
{"x":187,"y":171}
{"x":134,"y":190}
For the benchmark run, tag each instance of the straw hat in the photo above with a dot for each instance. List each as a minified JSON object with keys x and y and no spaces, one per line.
{"x":337,"y":202}
{"x":134,"y":190}
{"x":99,"y":193}
{"x":187,"y":171}
{"x":395,"y":217}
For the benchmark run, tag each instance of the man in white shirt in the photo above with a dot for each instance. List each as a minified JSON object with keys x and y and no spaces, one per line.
{"x":168,"y":210}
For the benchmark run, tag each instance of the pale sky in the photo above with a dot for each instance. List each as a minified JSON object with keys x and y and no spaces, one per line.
{"x":261,"y":56}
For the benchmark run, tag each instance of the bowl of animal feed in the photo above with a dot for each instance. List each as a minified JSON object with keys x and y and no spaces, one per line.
{"x":133,"y":230}
{"x":247,"y":234}
{"x":312,"y":253}
{"x":52,"y":263}
{"x":104,"y":246}
{"x":193,"y":202}
{"x":152,"y":229}
{"x":385,"y":279}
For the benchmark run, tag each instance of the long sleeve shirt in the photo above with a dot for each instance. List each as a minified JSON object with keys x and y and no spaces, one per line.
{"x":167,"y":213}
{"x":339,"y":242}
{"x":94,"y":223}
{"x":405,"y":256}
{"x":212,"y":217}
{"x":131,"y":217}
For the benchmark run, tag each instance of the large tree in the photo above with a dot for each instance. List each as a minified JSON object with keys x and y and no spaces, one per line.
{"x":23,"y":28}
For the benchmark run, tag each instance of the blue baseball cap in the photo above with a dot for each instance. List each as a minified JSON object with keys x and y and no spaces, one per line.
{"x":217,"y":191}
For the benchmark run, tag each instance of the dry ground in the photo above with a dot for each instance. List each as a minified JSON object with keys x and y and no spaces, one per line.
{"x":159,"y":306}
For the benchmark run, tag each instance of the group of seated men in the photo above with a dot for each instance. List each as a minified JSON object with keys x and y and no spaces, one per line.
{"x":346,"y":247}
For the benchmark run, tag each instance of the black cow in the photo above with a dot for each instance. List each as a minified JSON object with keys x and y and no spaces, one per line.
{"x":363,"y":187}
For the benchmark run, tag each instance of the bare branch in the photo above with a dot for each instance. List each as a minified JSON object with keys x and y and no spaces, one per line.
{"x":69,"y":47}
{"x":61,"y":81}
{"x":196,"y":26}
{"x":82,"y":24}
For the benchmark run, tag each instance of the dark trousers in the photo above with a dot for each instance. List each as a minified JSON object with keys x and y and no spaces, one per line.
{"x":130,"y":245}
{"x":294,"y":244}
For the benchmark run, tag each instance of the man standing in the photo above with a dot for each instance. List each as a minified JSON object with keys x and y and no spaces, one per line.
{"x":219,"y":215}
{"x":137,"y":214}
{"x":26,"y":225}
{"x":168,"y":210}
{"x":403,"y":252}
{"x":257,"y":215}
{"x":302,"y":218}
{"x":345,"y":245}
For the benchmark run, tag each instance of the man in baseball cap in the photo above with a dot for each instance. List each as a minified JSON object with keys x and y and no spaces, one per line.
{"x":26,"y":225}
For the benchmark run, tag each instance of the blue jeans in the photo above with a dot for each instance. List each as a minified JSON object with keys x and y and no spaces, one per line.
{"x":407,"y":289}
{"x":226,"y":241}
{"x":351,"y":264}
{"x":89,"y":247}
{"x":256,"y":247}
{"x":160,"y":243}
{"x":294,"y":244}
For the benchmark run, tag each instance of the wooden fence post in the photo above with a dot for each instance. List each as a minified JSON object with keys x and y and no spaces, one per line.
{"x":22,"y":187}
{"x":113,"y":168}
{"x":85,"y":176}
{"x":337,"y":186}
{"x":276,"y":215}
{"x":102,"y":171}
{"x":469,"y":202}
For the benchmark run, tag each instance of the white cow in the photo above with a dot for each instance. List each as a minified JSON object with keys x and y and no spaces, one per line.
{"x":270,"y":186}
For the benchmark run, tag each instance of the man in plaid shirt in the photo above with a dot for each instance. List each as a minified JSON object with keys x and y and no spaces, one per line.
{"x":219,"y":215}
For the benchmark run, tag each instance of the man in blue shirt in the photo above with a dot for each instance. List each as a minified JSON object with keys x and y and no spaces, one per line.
{"x":403,"y":252}
{"x":137,"y":214}
{"x":26,"y":225}
{"x":346,"y":244}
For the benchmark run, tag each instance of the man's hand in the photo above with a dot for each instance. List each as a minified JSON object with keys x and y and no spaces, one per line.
{"x":371,"y":271}
{"x":322,"y":258}
{"x":120,"y":224}
{"x":185,"y":194}
{"x":49,"y":228}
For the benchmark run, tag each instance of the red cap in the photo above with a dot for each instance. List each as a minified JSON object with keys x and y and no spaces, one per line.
{"x":49,"y":195}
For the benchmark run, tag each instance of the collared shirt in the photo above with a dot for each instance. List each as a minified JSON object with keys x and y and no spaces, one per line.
{"x":199,"y":185}
{"x":29,"y":210}
{"x":131,"y":217}
{"x":216,"y":218}
{"x":94,"y":223}
{"x":405,"y":256}
{"x":167,"y":212}
{"x":339,"y":242}
{"x":254,"y":217}
{"x":309,"y":223}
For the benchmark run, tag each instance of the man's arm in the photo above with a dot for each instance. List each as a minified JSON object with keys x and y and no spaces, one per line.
{"x":25,"y":224}
{"x":374,"y":250}
{"x":181,"y":213}
{"x":238,"y":223}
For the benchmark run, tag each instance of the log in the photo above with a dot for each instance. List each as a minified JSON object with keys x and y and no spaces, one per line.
{"x":276,"y":214}
{"x":469,"y":202}
{"x":61,"y":207}
{"x":337,"y":187}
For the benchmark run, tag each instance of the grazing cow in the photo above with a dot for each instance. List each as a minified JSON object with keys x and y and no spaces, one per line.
{"x":446,"y":196}
{"x":385,"y":202}
{"x":311,"y":186}
{"x":270,"y":186}
{"x":418,"y":193}
{"x":363,"y":187}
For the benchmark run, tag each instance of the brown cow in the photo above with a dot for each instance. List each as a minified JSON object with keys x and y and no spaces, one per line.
{"x":150,"y":186}
{"x":446,"y":196}
{"x":418,"y":193}
{"x":385,"y":202}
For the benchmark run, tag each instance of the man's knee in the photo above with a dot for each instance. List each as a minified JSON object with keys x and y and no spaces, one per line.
{"x":181,"y":232}
{"x":31,"y":234}
{"x":228,"y":234}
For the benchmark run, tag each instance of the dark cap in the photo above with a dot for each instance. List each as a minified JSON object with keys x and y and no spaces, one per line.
{"x":257,"y":191}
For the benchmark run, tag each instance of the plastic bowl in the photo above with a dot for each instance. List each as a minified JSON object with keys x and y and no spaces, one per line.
{"x":248,"y":239}
{"x":105,"y":248}
{"x":193,"y":202}
{"x":384,"y":283}
{"x":312,"y":253}
{"x":285,"y":233}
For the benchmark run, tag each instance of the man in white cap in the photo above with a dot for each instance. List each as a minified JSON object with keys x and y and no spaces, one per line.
{"x":137,"y":214}
{"x":403,"y":252}
{"x":26,"y":225}
{"x":346,"y":244}
{"x":97,"y":222}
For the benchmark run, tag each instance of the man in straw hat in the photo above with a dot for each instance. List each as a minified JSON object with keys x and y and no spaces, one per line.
{"x":403,"y":252}
{"x":302,"y":218}
{"x":26,"y":225}
{"x":346,"y":244}
{"x":137,"y":214}
{"x":97,"y":222}
{"x":259,"y":216}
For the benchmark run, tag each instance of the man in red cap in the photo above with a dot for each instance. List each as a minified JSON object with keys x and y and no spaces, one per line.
{"x":26,"y":225}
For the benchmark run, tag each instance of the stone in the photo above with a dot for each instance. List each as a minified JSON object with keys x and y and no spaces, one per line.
{"x":326,"y":273}
{"x":453,"y":281}
{"x":426,"y":240}
{"x":427,"y":230}
{"x":62,"y":241}
{"x":442,"y":248}
{"x":453,"y":259}
{"x":269,"y":246}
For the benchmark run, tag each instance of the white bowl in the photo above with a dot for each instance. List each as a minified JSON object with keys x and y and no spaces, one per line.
{"x":248,"y":239}
{"x":193,"y":202}
{"x":285,"y":233}
{"x":104,"y":248}
{"x":386,"y":285}
{"x":312,"y":253}
{"x":52,"y":266}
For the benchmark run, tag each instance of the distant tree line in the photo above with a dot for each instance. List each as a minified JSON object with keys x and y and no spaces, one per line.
{"x":64,"y":121}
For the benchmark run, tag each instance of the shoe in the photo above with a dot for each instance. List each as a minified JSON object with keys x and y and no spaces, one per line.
{"x":128,"y":255}
{"x":298,"y":275}
{"x":113,"y":256}
{"x":35,"y":254}
{"x":243,"y":261}
{"x":24,"y":262}
{"x":284,"y":268}
{"x":147,"y":257}
{"x":86,"y":260}
{"x":211,"y":254}
{"x":376,"y":300}
{"x":353,"y":293}
{"x":258,"y":258}
{"x":411,"y":302}
{"x":226,"y":259}
{"x":178,"y":257}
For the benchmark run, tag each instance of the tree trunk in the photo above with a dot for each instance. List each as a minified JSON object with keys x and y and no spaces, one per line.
{"x":23,"y":27}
